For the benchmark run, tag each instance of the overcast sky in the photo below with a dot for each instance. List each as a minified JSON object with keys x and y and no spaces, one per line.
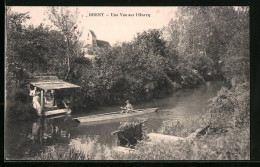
{"x":109,"y":28}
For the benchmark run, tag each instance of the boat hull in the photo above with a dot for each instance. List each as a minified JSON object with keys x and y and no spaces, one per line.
{"x":114,"y":115}
{"x":56,"y":112}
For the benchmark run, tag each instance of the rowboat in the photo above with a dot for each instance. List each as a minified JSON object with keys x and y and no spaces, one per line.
{"x":58,"y":111}
{"x":114,"y":115}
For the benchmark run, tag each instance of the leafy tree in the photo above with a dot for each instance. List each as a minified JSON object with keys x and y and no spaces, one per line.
{"x":15,"y":66}
{"x":201,"y":36}
{"x":29,"y":51}
{"x":236,"y":60}
{"x":138,"y":70}
{"x":65,"y":21}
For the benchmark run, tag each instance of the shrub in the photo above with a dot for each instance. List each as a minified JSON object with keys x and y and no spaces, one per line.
{"x":130,"y":133}
{"x":19,"y":106}
{"x":230,"y":107}
{"x":222,"y":109}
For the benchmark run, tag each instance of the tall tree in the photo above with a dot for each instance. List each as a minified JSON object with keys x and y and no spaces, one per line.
{"x":15,"y":65}
{"x":201,"y":34}
{"x":65,"y":21}
{"x":236,"y":60}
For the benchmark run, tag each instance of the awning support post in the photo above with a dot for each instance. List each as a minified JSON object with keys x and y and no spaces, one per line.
{"x":42,"y":101}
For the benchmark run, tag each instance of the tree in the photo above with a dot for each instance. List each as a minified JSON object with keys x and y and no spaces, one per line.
{"x":32,"y":50}
{"x":15,"y":66}
{"x":138,"y":70}
{"x":201,"y":36}
{"x":65,"y":21}
{"x":236,"y":60}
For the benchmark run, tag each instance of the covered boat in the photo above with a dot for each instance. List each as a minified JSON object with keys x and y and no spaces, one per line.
{"x":51,"y":95}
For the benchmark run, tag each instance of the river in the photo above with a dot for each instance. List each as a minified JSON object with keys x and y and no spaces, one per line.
{"x":26,"y":139}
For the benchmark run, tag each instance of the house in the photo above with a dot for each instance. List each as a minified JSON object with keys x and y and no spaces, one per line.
{"x":91,"y":43}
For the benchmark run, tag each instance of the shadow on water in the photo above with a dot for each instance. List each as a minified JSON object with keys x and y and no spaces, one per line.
{"x":26,"y":139}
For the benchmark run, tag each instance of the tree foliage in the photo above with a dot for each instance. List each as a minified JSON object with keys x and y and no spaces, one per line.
{"x":65,"y":21}
{"x":139,"y":70}
{"x":30,"y":51}
{"x":202,"y":35}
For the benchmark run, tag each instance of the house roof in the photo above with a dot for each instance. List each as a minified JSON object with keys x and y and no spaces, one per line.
{"x":50,"y":83}
{"x":87,"y":46}
{"x":92,"y":33}
{"x":101,"y":43}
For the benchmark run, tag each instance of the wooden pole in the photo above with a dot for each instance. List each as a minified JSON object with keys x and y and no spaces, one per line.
{"x":42,"y":101}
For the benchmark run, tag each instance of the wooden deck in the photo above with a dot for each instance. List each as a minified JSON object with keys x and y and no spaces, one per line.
{"x":114,"y":115}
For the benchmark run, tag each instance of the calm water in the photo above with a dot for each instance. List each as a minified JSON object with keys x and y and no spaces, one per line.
{"x":29,"y":138}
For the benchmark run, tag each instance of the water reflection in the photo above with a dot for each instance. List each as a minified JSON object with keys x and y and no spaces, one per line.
{"x":38,"y":134}
{"x":52,"y":130}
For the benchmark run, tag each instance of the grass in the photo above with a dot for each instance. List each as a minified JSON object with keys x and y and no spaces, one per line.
{"x":58,"y":153}
{"x":185,"y":125}
{"x":84,"y":149}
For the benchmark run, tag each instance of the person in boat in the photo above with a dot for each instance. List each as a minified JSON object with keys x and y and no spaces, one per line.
{"x":127,"y":108}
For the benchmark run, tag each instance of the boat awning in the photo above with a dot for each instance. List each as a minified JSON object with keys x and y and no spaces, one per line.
{"x":54,"y":84}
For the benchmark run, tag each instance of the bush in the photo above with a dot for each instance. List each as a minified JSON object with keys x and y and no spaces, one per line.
{"x":230,"y":107}
{"x":19,"y":106}
{"x":222,"y":109}
{"x":130,"y":133}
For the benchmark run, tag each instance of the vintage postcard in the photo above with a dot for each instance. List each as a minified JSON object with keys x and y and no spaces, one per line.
{"x":127,"y":83}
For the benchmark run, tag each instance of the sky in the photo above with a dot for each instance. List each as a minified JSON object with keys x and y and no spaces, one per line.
{"x":109,"y":27}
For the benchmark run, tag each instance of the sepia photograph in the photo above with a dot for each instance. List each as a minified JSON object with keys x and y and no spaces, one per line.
{"x":127,"y":83}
